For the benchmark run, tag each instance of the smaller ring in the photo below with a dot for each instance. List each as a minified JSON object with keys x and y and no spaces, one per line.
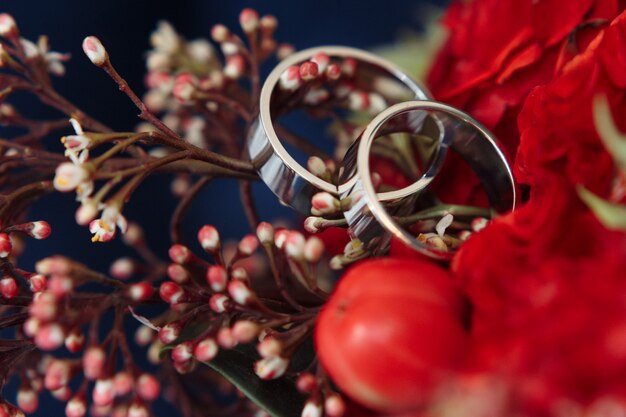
{"x":292,"y":183}
{"x":372,"y":222}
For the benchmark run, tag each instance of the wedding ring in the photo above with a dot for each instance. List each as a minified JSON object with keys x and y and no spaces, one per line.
{"x":292,"y":183}
{"x":372,"y":222}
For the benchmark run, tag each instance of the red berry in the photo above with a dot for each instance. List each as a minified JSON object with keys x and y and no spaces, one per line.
{"x":390,"y":331}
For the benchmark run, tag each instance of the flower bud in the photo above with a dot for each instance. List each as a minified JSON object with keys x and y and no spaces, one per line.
{"x":5,"y":245}
{"x":248,"y":245}
{"x":27,"y":400}
{"x":171,"y":292}
{"x":235,"y":66}
{"x":271,"y":367}
{"x":182,"y":352}
{"x":240,"y":274}
{"x":169,"y":333}
{"x":284,"y":50}
{"x":269,"y":346}
{"x":209,"y":238}
{"x":245,"y":331}
{"x":185,"y":86}
{"x":60,"y":285}
{"x":123,"y":383}
{"x":31,"y":326}
{"x":220,"y":33}
{"x":94,"y":360}
{"x":144,"y":335}
{"x":206,"y":350}
{"x":290,"y":79}
{"x":62,"y":394}
{"x":38,"y":230}
{"x":324,"y":203}
{"x":313,"y":249}
{"x":38,"y":283}
{"x":316,"y":166}
{"x":334,"y":406}
{"x":43,"y":306}
{"x":8,"y":287}
{"x":148,"y":387}
{"x":103,"y":392}
{"x":8,"y":27}
{"x":265,"y":233}
{"x":280,"y":237}
{"x":225,"y":338}
{"x":306,"y":383}
{"x":217,"y":278}
{"x":348,"y":67}
{"x":75,"y":341}
{"x":333,"y":72}
{"x":240,"y":292}
{"x":309,"y":71}
{"x":57,"y":374}
{"x":76,"y":407}
{"x":219,"y":303}
{"x":122,"y":268}
{"x":95,"y":51}
{"x":249,"y":20}
{"x":322,"y":60}
{"x":50,"y":337}
{"x":86,"y":213}
{"x":312,"y":409}
{"x":294,"y":245}
{"x":137,"y":409}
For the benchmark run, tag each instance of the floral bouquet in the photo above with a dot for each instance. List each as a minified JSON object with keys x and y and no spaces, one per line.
{"x":527,"y":319}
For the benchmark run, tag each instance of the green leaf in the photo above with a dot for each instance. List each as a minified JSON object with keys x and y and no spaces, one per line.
{"x":612,"y":138}
{"x":279,"y":397}
{"x":612,"y":216}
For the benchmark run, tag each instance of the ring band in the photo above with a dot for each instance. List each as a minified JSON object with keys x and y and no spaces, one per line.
{"x":292,"y":183}
{"x":373,"y":224}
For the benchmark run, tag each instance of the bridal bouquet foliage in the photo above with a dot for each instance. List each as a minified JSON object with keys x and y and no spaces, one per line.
{"x":529,"y":318}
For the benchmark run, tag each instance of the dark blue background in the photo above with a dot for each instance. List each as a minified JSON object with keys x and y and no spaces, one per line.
{"x":124,"y":27}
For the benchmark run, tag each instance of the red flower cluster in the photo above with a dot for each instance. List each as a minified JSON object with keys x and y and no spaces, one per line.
{"x":497,"y":53}
{"x":547,"y":282}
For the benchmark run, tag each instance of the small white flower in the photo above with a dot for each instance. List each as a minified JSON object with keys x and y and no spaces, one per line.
{"x":54,"y":60}
{"x":69,"y":176}
{"x":103,"y":229}
{"x":76,"y":145}
{"x":165,"y":38}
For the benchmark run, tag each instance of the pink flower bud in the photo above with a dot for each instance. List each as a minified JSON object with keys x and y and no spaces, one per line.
{"x":290,"y":79}
{"x":8,"y":27}
{"x":311,"y":224}
{"x":50,"y":337}
{"x":322,"y":60}
{"x":306,"y":383}
{"x":182,"y":352}
{"x":294,"y":245}
{"x":31,"y":326}
{"x":62,"y":394}
{"x":75,"y":341}
{"x":280,"y":237}
{"x":309,"y":71}
{"x":122,"y":268}
{"x":178,"y":273}
{"x":148,"y":387}
{"x":76,"y":407}
{"x":144,"y":335}
{"x":269,"y":346}
{"x":240,"y":292}
{"x":180,"y":254}
{"x":171,"y":292}
{"x":60,"y":285}
{"x":313,"y":249}
{"x":54,"y":265}
{"x":312,"y":409}
{"x":333,"y":72}
{"x":284,"y":50}
{"x":169,"y":333}
{"x":206,"y":350}
{"x":334,"y":406}
{"x":68,"y":176}
{"x":240,"y":274}
{"x":235,"y":66}
{"x":39,"y":230}
{"x":95,"y":51}
{"x":269,"y":24}
{"x":123,"y":383}
{"x":209,"y":238}
{"x":185,"y":367}
{"x":348,"y":67}
{"x":27,"y":400}
{"x":217,"y":278}
{"x":86,"y":213}
{"x":137,"y":409}
{"x":219,"y":303}
{"x":5,"y":245}
{"x":8,"y":287}
{"x":94,"y":360}
{"x":185,"y":86}
{"x":324,"y":203}
{"x":57,"y":374}
{"x":43,"y":306}
{"x":225,"y":338}
{"x":249,"y":20}
{"x":245,"y":331}
{"x":271,"y":367}
{"x":248,"y":245}
{"x":38,"y":282}
{"x":220,"y":33}
{"x":103,"y":392}
{"x":358,"y":101}
{"x":265,"y":233}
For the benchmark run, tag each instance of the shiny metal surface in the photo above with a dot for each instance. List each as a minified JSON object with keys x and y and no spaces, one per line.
{"x":373,"y":223}
{"x":292,"y":183}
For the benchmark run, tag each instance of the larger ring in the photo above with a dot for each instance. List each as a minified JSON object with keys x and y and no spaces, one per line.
{"x":374,"y":224}
{"x":292,"y":183}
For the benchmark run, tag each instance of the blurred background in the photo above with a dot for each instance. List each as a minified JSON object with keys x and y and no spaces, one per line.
{"x":124,"y":27}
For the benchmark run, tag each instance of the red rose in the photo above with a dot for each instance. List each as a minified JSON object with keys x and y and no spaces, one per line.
{"x":496,"y":54}
{"x":547,"y":282}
